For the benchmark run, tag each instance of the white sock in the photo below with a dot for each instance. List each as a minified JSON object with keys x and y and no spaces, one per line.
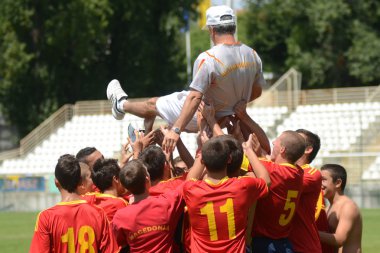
{"x":120,"y":103}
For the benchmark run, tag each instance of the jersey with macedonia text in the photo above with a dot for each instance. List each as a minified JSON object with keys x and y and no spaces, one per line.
{"x":274,"y":213}
{"x":218,"y":212}
{"x":322,"y":222}
{"x":109,"y":203}
{"x":182,"y":235}
{"x":226,"y":74}
{"x":73,"y":227}
{"x":304,"y":235}
{"x":149,"y":225}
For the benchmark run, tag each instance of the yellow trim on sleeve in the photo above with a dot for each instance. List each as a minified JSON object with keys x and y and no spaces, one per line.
{"x":319,"y":206}
{"x":37,"y":220}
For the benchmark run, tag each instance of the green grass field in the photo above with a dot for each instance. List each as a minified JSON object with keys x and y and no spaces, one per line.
{"x":16,"y":230}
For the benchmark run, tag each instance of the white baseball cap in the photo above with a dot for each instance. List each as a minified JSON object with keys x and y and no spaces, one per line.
{"x":214,"y":15}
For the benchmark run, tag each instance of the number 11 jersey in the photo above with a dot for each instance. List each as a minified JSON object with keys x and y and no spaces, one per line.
{"x":218,"y":212}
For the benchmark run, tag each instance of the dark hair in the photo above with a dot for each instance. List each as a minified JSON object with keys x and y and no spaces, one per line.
{"x":224,"y":29}
{"x":132,"y":176}
{"x":294,"y":145}
{"x":68,"y":173}
{"x":154,"y":159}
{"x":178,"y":171}
{"x":103,"y":173}
{"x":337,"y":172}
{"x":312,"y":140}
{"x":236,"y":154}
{"x":84,"y":152}
{"x":215,"y":154}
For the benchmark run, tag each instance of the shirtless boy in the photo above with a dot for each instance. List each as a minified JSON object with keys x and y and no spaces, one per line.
{"x":343,"y":214}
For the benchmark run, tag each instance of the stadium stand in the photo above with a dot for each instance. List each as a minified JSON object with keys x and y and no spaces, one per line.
{"x":340,"y":126}
{"x":346,"y":119}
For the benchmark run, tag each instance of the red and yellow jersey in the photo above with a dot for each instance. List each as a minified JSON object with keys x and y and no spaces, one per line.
{"x":322,"y":222}
{"x":274,"y":213}
{"x":109,"y":203}
{"x":149,"y":225}
{"x":218,"y":212}
{"x":304,"y":235}
{"x":166,"y":185}
{"x":71,"y":227}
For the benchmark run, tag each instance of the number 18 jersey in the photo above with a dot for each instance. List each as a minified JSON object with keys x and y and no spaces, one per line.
{"x":71,"y":227}
{"x":218,"y":212}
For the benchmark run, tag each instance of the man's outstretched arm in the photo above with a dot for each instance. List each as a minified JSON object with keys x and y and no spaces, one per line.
{"x":190,"y":106}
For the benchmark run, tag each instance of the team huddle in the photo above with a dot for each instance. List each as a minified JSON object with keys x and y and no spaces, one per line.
{"x":236,"y":194}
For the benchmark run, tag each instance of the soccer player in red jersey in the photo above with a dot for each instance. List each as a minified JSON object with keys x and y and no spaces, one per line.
{"x":105,"y":176}
{"x":148,"y":224}
{"x":89,"y":155}
{"x":72,"y":225}
{"x":154,"y":159}
{"x":304,"y":235}
{"x":274,"y":213}
{"x":218,"y":206}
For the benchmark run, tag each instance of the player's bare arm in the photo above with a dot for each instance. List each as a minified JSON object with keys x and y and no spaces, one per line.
{"x":249,"y":148}
{"x":256,"y":91}
{"x":251,"y":126}
{"x":189,"y":108}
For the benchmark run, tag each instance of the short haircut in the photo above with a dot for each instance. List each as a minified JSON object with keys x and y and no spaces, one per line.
{"x":177,"y":160}
{"x":236,"y":154}
{"x":224,"y":29}
{"x":294,"y":145}
{"x":215,"y":154}
{"x":83,"y":167}
{"x":337,"y":172}
{"x":154,"y":159}
{"x":103,"y":173}
{"x":68,"y":173}
{"x":133,"y":175}
{"x":312,"y":140}
{"x":84,"y":152}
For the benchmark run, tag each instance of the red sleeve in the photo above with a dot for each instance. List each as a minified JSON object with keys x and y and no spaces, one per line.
{"x":41,"y":237}
{"x":108,"y":242}
{"x":312,"y":180}
{"x":257,"y":187}
{"x":118,"y":231}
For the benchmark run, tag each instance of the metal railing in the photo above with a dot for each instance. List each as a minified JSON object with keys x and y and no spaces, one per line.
{"x":46,"y":128}
{"x":285,"y":92}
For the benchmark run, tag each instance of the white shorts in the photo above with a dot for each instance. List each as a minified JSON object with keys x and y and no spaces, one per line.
{"x":170,"y":106}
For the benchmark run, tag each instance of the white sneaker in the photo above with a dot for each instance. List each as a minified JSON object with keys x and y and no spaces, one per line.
{"x":115,"y":94}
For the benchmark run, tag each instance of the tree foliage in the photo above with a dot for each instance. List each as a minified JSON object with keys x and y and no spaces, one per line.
{"x":333,"y":43}
{"x":57,"y":52}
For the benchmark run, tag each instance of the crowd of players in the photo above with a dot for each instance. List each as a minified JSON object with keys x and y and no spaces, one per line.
{"x":236,"y":197}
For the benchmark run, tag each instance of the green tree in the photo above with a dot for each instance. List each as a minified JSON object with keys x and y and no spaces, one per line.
{"x":57,"y":52}
{"x":333,"y":43}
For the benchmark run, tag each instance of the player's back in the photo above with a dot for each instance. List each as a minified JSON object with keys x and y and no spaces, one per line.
{"x":149,"y":225}
{"x":232,"y":71}
{"x":304,"y":234}
{"x":218,"y":212}
{"x":109,"y":203}
{"x":73,"y":227}
{"x":274,"y":213}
